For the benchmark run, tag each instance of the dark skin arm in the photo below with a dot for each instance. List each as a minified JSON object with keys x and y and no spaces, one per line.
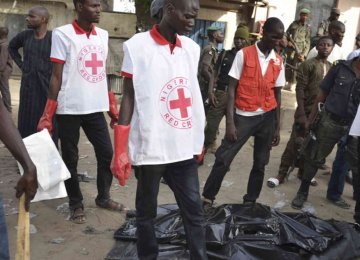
{"x":231,"y":134}
{"x":321,"y":97}
{"x":55,"y":81}
{"x":11,"y":138}
{"x":276,"y":137}
{"x":127,"y":102}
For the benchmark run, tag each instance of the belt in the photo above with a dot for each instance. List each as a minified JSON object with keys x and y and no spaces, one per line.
{"x":338,"y":119}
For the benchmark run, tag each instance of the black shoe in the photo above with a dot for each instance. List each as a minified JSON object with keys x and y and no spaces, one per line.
{"x":299,"y":200}
{"x":357,"y":226}
{"x":130,"y":214}
{"x":249,"y":203}
{"x":207,"y":206}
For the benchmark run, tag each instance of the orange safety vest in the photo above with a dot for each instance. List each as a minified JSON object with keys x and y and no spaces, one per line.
{"x":254,"y":90}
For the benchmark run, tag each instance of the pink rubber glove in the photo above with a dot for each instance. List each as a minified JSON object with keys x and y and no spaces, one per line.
{"x":113,"y":109}
{"x":47,"y":117}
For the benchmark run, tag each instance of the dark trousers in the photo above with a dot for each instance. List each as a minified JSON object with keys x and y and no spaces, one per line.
{"x":262,"y":128}
{"x":328,"y":134}
{"x":95,"y":128}
{"x":356,"y":183}
{"x":182,"y":178}
{"x":214,"y":117}
{"x":5,"y":90}
{"x":4,"y":243}
{"x":290,"y":154}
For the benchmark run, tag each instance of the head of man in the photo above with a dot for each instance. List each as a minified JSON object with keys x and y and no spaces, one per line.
{"x":156,"y":10}
{"x":273,"y":33}
{"x":241,"y":37}
{"x":334,"y":14}
{"x":357,"y":41}
{"x":37,"y":16}
{"x":215,"y":34}
{"x":4,"y":31}
{"x":88,"y":10}
{"x":324,"y":46}
{"x":337,"y":31}
{"x":304,"y":15}
{"x":179,"y":15}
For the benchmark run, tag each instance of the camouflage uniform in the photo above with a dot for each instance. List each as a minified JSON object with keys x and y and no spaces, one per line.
{"x":209,"y":55}
{"x":215,"y":114}
{"x":301,"y":36}
{"x":323,"y":28}
{"x":309,"y":76}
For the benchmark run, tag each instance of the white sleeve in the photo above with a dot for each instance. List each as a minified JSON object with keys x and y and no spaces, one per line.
{"x":280,"y":81}
{"x":355,"y":127}
{"x":312,"y":53}
{"x":59,"y":46}
{"x":127,"y":65}
{"x":237,"y":66}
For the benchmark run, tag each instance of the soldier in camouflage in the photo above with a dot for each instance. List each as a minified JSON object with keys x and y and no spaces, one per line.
{"x":323,"y":28}
{"x":208,"y":58}
{"x":298,"y":35}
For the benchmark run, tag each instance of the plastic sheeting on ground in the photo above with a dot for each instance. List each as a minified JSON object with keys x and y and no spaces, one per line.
{"x":236,"y":231}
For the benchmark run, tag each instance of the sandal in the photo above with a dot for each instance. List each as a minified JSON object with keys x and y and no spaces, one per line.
{"x":77,"y":216}
{"x":340,"y":203}
{"x":111,"y":205}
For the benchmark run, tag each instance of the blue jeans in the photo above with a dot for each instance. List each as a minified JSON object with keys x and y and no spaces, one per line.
{"x":182,"y":178}
{"x":4,"y":244}
{"x":338,"y":174}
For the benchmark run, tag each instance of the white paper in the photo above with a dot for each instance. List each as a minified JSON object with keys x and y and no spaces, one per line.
{"x":51,"y":170}
{"x":355,"y":127}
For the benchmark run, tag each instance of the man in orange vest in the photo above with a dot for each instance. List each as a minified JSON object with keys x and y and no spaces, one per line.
{"x":256,"y":78}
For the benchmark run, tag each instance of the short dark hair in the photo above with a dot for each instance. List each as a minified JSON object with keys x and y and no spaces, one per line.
{"x":271,"y":23}
{"x":336,"y":25}
{"x":77,"y":1}
{"x":4,"y":31}
{"x":326,"y":37}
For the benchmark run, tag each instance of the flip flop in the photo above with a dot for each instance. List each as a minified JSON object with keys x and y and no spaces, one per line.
{"x":273,"y":182}
{"x":77,"y":216}
{"x":111,"y":205}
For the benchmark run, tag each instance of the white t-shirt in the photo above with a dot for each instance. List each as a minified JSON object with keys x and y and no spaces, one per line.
{"x":337,"y":53}
{"x":168,"y":120}
{"x":237,"y":68}
{"x":355,"y":127}
{"x":84,"y":85}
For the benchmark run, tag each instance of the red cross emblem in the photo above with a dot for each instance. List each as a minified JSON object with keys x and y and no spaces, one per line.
{"x":94,"y":64}
{"x":182,"y":103}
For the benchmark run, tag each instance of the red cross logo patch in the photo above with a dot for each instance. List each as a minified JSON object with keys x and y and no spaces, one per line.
{"x":91,"y":63}
{"x":176,"y":103}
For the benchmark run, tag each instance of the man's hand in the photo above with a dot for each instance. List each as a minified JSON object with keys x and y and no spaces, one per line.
{"x":120,"y":164}
{"x":46,"y":118}
{"x":276,"y":137}
{"x":113,"y":109}
{"x":231,"y":133}
{"x":301,"y":57}
{"x":212,"y":99}
{"x":27,"y":184}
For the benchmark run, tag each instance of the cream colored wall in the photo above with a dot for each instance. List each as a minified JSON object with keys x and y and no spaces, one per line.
{"x":284,"y":10}
{"x":222,"y":16}
{"x":350,"y":15}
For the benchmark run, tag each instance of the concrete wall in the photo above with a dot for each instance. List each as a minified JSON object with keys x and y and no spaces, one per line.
{"x":350,"y":15}
{"x":222,"y":16}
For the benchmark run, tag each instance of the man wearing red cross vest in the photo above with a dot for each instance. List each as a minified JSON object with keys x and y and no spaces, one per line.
{"x":253,"y":109}
{"x":78,"y":94}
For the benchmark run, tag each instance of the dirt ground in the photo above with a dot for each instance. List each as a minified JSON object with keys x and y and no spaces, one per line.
{"x":54,"y":237}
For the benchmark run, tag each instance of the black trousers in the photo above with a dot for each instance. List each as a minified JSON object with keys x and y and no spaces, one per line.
{"x":182,"y":178}
{"x":262,"y":128}
{"x":356,"y":183}
{"x":95,"y":128}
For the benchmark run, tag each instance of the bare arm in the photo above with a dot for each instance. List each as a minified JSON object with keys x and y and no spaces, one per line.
{"x":11,"y":138}
{"x":276,"y":138}
{"x":56,"y":80}
{"x":127,"y":103}
{"x":230,"y":123}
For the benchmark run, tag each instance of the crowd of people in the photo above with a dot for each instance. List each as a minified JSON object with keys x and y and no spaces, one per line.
{"x":174,"y":93}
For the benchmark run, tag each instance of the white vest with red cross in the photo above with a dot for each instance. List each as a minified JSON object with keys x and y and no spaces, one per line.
{"x":168,"y":120}
{"x":84,"y":85}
